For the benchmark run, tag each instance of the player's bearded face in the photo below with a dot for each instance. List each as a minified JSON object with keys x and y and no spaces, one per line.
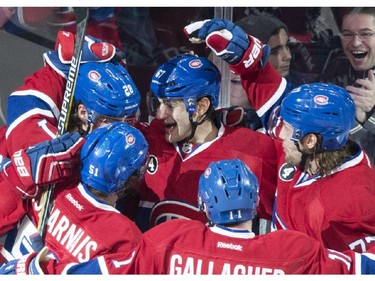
{"x":176,"y":119}
{"x":292,"y":155}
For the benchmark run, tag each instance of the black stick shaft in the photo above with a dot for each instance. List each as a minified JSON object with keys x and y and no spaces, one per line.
{"x":81,"y":20}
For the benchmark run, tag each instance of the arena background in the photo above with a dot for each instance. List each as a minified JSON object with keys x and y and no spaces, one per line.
{"x":151,"y":35}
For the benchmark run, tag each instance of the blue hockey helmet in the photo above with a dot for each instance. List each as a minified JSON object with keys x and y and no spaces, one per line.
{"x":320,"y":108}
{"x":107,"y":89}
{"x":187,"y":77}
{"x":230,"y":191}
{"x":111,"y":154}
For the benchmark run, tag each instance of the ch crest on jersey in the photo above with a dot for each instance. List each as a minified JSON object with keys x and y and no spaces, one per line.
{"x":152,"y":165}
{"x":286,"y":172}
{"x":169,"y":209}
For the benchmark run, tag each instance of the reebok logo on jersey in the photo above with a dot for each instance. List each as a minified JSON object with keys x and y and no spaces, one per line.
{"x":74,"y":202}
{"x":229,"y":246}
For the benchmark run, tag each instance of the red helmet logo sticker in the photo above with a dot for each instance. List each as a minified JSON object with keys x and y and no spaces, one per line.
{"x":321,"y":99}
{"x":130,"y":139}
{"x":195,"y":63}
{"x":94,"y":76}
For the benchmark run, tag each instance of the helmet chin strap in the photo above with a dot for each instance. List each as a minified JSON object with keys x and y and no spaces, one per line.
{"x":82,"y":131}
{"x":302,"y":164}
{"x":194,"y":125}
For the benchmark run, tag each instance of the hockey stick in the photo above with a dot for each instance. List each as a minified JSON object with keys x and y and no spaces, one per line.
{"x":82,"y":15}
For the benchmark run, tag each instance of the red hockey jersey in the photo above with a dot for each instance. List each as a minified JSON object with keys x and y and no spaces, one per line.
{"x":189,"y":247}
{"x":80,"y":228}
{"x":32,"y":113}
{"x":33,"y":110}
{"x":174,"y":176}
{"x":337,"y":210}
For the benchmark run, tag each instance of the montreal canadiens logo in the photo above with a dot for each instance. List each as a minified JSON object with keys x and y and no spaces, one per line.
{"x":195,"y":63}
{"x":321,"y":99}
{"x":130,"y":139}
{"x":286,"y":172}
{"x":94,"y":76}
{"x":166,"y":210}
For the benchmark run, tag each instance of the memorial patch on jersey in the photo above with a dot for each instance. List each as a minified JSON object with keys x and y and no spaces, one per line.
{"x":286,"y":172}
{"x":152,"y":165}
{"x":166,"y":210}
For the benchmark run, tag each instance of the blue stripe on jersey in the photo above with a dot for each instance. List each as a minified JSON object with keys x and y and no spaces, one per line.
{"x":367,"y":264}
{"x":89,"y":267}
{"x":22,"y":104}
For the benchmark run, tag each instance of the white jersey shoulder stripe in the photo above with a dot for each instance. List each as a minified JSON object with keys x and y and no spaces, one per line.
{"x":279,"y":92}
{"x":26,"y":115}
{"x":233,"y":234}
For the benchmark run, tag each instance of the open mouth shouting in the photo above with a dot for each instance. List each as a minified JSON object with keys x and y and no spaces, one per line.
{"x":359,"y":54}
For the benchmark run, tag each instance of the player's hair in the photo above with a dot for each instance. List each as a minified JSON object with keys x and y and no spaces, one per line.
{"x":75,"y":123}
{"x":211,"y":113}
{"x":327,"y":161}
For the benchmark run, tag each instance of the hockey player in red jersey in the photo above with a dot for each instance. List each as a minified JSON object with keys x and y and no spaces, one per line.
{"x":49,"y":162}
{"x":104,"y":93}
{"x":228,"y":195}
{"x":326,"y":184}
{"x":330,"y":174}
{"x":82,"y":220}
{"x":186,"y":135}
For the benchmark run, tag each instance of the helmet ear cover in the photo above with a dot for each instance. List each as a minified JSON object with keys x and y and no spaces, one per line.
{"x":191,"y":105}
